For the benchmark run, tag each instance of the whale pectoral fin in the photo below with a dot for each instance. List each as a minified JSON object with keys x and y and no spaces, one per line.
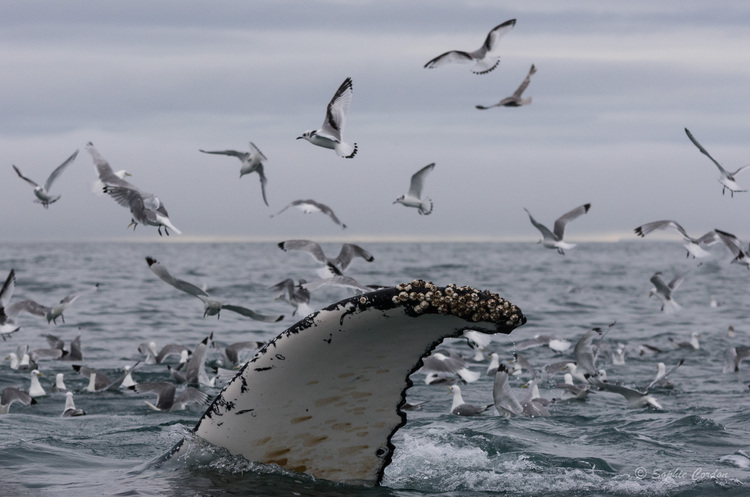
{"x":324,"y":396}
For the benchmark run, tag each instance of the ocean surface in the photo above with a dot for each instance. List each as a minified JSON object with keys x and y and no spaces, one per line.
{"x":695,"y":446}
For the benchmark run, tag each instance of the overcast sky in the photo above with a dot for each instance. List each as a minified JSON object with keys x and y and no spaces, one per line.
{"x":150,"y":83}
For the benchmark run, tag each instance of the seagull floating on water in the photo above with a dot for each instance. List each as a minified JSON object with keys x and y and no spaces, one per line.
{"x":485,"y":57}
{"x":514,"y":100}
{"x":554,"y":239}
{"x":414,"y":197}
{"x":461,"y":408}
{"x":252,"y":162}
{"x":308,"y":206}
{"x":726,"y":178}
{"x":36,"y":389}
{"x":330,"y":133}
{"x":70,"y":410}
{"x":692,"y":344}
{"x":42,"y":192}
{"x":211,"y":306}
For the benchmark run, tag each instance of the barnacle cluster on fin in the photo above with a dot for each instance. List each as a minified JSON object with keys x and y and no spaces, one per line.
{"x":461,"y":301}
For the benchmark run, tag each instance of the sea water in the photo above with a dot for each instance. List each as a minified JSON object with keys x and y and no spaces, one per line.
{"x":695,"y":446}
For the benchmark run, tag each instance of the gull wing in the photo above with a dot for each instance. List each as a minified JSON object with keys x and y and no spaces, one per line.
{"x":263,"y":181}
{"x":164,"y":392}
{"x":661,"y":286}
{"x":742,"y":168}
{"x":417,"y":180}
{"x":31,"y":182}
{"x":309,"y":246}
{"x":327,"y":211}
{"x":732,"y":243}
{"x":104,"y":170}
{"x":190,"y":396}
{"x":705,"y":152}
{"x":129,"y":198}
{"x":503,"y":395}
{"x":252,"y":314}
{"x":255,"y":151}
{"x":519,"y":91}
{"x":75,"y":296}
{"x":493,"y":37}
{"x":458,"y":56}
{"x":559,"y":228}
{"x":29,"y":306}
{"x":170,"y":349}
{"x":335,"y":119}
{"x":233,"y":153}
{"x":101,"y":381}
{"x":628,"y":393}
{"x":179,"y":284}
{"x":666,"y":224}
{"x":58,"y":170}
{"x":6,"y":293}
{"x":546,"y":233}
{"x":584,"y":352}
{"x":348,"y":252}
{"x":677,"y":280}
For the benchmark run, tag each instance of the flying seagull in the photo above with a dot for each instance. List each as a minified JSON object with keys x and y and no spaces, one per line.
{"x":342,"y":261}
{"x":693,"y":245}
{"x":726,"y":178}
{"x":7,"y":321}
{"x":70,"y":409}
{"x":554,"y":239}
{"x":42,"y":192}
{"x":252,"y":162}
{"x":514,"y":100}
{"x":461,"y":408}
{"x":146,"y":208}
{"x":295,"y":295}
{"x":105,"y":175}
{"x":308,"y":206}
{"x":485,"y":57}
{"x":414,"y":197}
{"x":330,"y":133}
{"x":736,"y":247}
{"x":54,"y":312}
{"x":664,"y":290}
{"x":211,"y":306}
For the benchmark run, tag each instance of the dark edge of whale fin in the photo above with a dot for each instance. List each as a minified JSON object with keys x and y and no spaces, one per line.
{"x":462,"y":308}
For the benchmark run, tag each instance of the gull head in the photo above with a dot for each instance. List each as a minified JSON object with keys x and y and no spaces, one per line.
{"x":308,"y":135}
{"x":399,"y":200}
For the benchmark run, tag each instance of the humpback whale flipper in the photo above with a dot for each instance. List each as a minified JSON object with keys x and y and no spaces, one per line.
{"x":324,"y":397}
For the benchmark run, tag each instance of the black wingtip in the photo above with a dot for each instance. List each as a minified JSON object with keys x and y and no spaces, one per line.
{"x":281,"y":246}
{"x":587,"y":207}
{"x":151,"y":261}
